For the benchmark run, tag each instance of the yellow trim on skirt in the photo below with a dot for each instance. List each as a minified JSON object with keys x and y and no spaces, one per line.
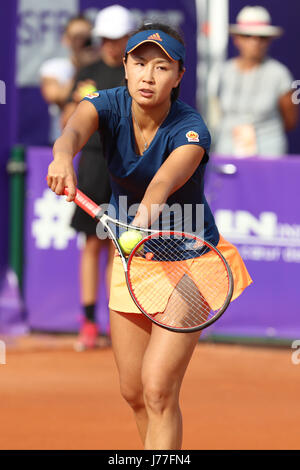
{"x":121,"y":301}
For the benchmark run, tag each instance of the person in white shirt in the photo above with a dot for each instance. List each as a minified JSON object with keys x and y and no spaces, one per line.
{"x":255,"y":92}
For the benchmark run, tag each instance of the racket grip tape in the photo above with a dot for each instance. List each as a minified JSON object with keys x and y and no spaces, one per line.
{"x":89,"y":206}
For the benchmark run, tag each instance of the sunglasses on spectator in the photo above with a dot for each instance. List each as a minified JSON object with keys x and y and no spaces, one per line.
{"x":261,"y":38}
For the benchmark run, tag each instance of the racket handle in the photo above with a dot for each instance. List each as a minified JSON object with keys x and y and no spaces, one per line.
{"x":85,"y":203}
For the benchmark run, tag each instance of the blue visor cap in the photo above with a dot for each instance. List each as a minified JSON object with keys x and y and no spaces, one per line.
{"x":173,"y":48}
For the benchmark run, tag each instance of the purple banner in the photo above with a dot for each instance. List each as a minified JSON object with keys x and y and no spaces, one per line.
{"x":254,"y":202}
{"x":12,"y":309}
{"x":7,"y":116}
{"x":256,"y":206}
{"x":51,"y":272}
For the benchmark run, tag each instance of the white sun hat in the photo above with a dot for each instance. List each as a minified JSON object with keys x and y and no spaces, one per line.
{"x":114,"y":22}
{"x":255,"y":21}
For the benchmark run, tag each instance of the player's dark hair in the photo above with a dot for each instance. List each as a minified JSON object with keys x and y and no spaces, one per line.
{"x":174,"y":34}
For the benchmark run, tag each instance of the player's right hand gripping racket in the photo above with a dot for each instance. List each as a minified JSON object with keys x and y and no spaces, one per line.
{"x":176,"y":279}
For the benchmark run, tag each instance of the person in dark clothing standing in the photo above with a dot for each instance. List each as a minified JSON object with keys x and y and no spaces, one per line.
{"x":113,"y":25}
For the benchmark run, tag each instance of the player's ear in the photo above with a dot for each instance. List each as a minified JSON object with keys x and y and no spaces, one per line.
{"x":180,"y":75}
{"x":125,"y":67}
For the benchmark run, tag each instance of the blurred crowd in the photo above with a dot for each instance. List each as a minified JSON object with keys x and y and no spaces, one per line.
{"x":251,"y":108}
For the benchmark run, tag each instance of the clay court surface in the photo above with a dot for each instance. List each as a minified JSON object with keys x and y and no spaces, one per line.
{"x":233,"y":397}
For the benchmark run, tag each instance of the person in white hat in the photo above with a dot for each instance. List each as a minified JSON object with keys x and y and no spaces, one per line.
{"x":255,"y":21}
{"x":255,"y":92}
{"x":114,"y":22}
{"x":112,"y":26}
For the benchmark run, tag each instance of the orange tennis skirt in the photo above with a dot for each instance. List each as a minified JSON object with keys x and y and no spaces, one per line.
{"x":120,"y":299}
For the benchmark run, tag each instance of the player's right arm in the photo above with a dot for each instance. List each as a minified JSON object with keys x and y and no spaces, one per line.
{"x":77,"y":96}
{"x":79,"y":128}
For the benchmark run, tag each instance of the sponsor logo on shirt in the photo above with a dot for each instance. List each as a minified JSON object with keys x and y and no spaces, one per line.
{"x":155,"y":36}
{"x":192,"y":136}
{"x":92,"y":95}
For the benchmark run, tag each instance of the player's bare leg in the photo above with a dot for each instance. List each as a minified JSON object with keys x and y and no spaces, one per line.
{"x":165,"y":361}
{"x":130,"y":334}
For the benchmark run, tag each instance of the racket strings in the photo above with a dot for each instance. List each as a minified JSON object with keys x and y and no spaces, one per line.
{"x":185,"y":294}
{"x":181,"y":287}
{"x":174,"y":314}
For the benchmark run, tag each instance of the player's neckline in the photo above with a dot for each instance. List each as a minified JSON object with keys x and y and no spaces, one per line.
{"x":147,"y":144}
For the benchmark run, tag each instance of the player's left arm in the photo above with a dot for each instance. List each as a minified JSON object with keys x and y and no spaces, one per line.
{"x":172,"y":175}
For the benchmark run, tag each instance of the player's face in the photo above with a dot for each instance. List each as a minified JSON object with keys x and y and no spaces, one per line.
{"x":151,"y":75}
{"x":252,"y":47}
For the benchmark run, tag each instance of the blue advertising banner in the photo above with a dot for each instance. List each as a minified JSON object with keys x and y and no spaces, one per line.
{"x":255,"y":203}
{"x":52,"y":248}
{"x":254,"y":206}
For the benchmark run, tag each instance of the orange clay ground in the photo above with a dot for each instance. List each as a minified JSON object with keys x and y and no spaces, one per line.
{"x":233,"y":397}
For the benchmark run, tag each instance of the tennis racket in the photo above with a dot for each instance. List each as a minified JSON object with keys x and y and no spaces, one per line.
{"x":177,"y":280}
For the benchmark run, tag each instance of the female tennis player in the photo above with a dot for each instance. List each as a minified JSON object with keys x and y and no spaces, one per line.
{"x":157,"y":149}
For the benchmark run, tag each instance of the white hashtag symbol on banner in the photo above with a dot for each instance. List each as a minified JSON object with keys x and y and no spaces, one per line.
{"x":52,"y":228}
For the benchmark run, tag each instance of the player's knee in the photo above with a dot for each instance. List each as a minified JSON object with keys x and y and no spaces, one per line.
{"x":133,"y":395}
{"x":158,"y":398}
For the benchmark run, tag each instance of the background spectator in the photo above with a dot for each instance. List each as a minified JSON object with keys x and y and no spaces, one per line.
{"x":57,"y":73}
{"x":254,"y":92}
